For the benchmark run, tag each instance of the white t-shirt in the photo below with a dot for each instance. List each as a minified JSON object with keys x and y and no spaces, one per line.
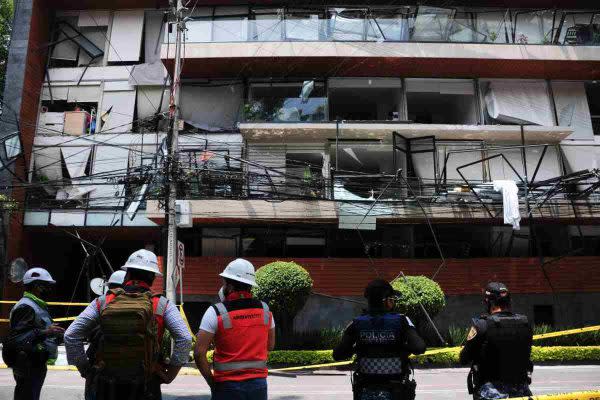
{"x":210,"y":321}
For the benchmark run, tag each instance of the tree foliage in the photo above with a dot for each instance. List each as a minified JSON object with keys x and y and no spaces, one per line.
{"x":6,"y":19}
{"x":418,"y":290}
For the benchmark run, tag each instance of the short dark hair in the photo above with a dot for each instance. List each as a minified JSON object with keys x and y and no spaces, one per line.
{"x":140,"y":275}
{"x":238,"y":286}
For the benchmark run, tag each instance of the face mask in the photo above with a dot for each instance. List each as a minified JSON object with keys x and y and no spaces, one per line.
{"x":222,"y":293}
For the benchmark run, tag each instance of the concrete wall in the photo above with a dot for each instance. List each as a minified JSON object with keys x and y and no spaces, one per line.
{"x":576,"y":309}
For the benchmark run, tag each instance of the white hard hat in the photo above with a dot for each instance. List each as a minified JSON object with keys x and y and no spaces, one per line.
{"x":117,"y":278}
{"x":37,"y":274}
{"x":143,"y":260}
{"x":240,"y":270}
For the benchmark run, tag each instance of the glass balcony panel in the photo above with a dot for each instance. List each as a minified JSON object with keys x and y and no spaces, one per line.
{"x":346,"y":25}
{"x":230,"y":29}
{"x":463,"y":29}
{"x":266,"y":28}
{"x":388,"y":27}
{"x":493,"y":25}
{"x":283,"y":103}
{"x":534,"y":27}
{"x":303,"y":27}
{"x":198,"y":31}
{"x":431,"y":24}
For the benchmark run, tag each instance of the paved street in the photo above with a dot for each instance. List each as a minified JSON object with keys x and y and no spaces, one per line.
{"x":437,"y":384}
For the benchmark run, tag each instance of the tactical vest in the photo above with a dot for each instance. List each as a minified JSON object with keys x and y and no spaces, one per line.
{"x":379,"y":345}
{"x":506,"y":349}
{"x":42,"y":321}
{"x":241,"y":340}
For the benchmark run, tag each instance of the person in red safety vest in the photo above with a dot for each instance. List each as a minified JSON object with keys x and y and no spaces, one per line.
{"x":243,"y":331}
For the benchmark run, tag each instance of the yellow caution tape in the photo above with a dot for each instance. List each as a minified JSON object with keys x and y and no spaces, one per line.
{"x":54,"y":320}
{"x":50,"y":303}
{"x":567,"y":332}
{"x":591,"y":395}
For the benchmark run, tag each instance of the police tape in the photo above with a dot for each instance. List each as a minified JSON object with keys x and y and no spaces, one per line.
{"x":588,"y":395}
{"x":50,"y":303}
{"x":447,"y":349}
{"x":5,"y":320}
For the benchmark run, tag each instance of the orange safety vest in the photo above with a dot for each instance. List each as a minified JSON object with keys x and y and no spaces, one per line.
{"x":241,"y":339}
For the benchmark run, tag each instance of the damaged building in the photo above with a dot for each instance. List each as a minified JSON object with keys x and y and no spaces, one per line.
{"x":356,"y":141}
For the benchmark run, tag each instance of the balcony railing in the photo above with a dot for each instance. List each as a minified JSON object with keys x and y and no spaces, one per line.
{"x":399,"y":24}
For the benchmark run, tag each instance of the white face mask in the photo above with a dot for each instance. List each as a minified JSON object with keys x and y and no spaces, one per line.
{"x":222,"y":293}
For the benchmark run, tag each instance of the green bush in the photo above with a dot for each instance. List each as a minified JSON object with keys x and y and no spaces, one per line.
{"x":450,"y":359}
{"x":285,"y":287}
{"x":417,"y":290}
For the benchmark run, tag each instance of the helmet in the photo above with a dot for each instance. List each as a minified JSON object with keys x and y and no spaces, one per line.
{"x":380,"y":289}
{"x":37,"y":274}
{"x":240,"y":270}
{"x":496,"y":292}
{"x":143,"y":260}
{"x":117,"y":278}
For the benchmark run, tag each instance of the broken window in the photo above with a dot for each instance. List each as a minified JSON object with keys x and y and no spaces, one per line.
{"x":494,"y":24}
{"x":388,"y":24}
{"x":452,"y":155}
{"x":109,"y":169}
{"x":346,"y":24}
{"x":75,"y":45}
{"x":118,"y":108}
{"x":69,"y":109}
{"x":431,"y":24}
{"x":534,"y":27}
{"x":515,"y":102}
{"x":579,"y":28}
{"x":212,"y":107}
{"x":287,"y":102}
{"x":365,"y":99}
{"x":463,"y":29}
{"x":441,"y":101}
{"x":572,"y":108}
{"x":592,"y":90}
{"x":304,"y":173}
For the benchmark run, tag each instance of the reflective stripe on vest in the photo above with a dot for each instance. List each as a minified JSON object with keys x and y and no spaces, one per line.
{"x":237,"y":365}
{"x":227,"y":319}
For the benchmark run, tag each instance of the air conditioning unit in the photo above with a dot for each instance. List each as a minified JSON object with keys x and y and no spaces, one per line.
{"x":185,"y":219}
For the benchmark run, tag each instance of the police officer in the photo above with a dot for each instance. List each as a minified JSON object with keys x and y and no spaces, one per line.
{"x":33,"y":338}
{"x":382,"y":341}
{"x":499,"y":348}
{"x":243,"y":331}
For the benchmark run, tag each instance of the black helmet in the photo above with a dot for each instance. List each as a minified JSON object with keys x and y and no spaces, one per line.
{"x":496,"y":293}
{"x":379,"y":289}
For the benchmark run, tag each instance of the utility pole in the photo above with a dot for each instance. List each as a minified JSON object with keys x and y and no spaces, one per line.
{"x":173,"y":158}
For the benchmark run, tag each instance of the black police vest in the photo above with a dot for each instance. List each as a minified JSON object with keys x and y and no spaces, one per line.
{"x":379,"y":345}
{"x":506,"y":350}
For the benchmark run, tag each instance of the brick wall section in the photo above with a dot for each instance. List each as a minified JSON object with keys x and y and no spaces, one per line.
{"x":349,"y":276}
{"x":34,"y":77}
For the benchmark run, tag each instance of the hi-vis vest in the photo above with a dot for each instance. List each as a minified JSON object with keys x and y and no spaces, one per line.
{"x":42,"y":321}
{"x":241,"y":340}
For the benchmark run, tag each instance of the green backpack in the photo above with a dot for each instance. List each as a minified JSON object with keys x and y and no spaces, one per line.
{"x":129,"y":345}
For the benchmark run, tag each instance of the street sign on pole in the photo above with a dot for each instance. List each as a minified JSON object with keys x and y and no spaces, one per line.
{"x":180,"y":255}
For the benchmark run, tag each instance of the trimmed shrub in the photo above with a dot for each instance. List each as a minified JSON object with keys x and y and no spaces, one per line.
{"x":285,"y":287}
{"x":591,"y":338}
{"x":418,"y":290}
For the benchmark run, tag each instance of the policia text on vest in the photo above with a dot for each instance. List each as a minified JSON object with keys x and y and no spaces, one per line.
{"x":382,"y":342}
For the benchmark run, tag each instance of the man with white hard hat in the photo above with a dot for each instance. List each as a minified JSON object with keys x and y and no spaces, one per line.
{"x":132,"y":321}
{"x":243,"y":331}
{"x":33,"y":339}
{"x":117,"y":279}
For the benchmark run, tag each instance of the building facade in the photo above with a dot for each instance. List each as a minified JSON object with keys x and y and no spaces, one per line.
{"x":358,"y":140}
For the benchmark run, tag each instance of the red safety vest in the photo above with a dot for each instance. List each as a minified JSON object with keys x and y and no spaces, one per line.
{"x":159,"y":306}
{"x":241,"y":339}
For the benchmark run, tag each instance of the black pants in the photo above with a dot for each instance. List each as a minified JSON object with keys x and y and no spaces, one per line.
{"x":104,"y":388}
{"x":30,"y":380}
